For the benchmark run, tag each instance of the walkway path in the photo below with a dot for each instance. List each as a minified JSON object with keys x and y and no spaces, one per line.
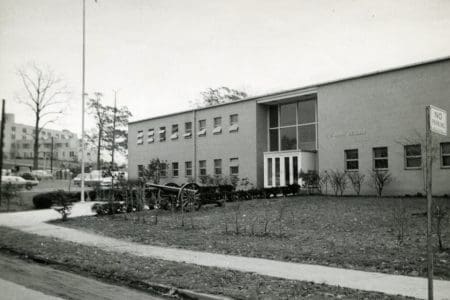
{"x":20,"y":279}
{"x":369,"y":281}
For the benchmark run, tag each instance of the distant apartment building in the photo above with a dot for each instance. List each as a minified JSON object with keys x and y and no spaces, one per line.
{"x":369,"y":122}
{"x":19,"y":146}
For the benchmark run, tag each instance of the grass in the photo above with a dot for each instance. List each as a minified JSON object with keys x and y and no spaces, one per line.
{"x":136,"y":271}
{"x":24,"y":200}
{"x":350,"y":232}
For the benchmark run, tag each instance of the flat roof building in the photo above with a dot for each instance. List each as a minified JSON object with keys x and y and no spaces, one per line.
{"x":362,"y":123}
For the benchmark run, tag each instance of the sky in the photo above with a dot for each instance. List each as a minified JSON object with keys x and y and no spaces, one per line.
{"x":160,"y":54}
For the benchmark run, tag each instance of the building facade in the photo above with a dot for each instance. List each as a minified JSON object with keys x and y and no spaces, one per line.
{"x":19,"y":146}
{"x":370,"y":122}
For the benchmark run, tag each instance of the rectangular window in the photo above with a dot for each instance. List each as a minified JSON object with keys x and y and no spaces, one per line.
{"x":217,"y":125}
{"x":287,"y":170}
{"x":307,"y":137}
{"x":273,"y":140}
{"x":351,"y":160}
{"x":202,"y":167}
{"x":71,"y":154}
{"x":188,"y":168}
{"x":234,"y":166}
{"x":413,"y":156}
{"x":295,"y":167}
{"x":380,"y":158}
{"x":277,"y":171}
{"x":217,"y":167}
{"x":162,"y":134}
{"x":140,"y":171}
{"x":288,"y":138}
{"x":445,"y":155}
{"x":234,"y":123}
{"x":174,"y":135}
{"x":187,"y":130}
{"x":307,"y":111}
{"x":163,"y":171}
{"x":13,"y":128}
{"x":273,"y":116}
{"x":201,"y":128}
{"x":288,"y":114}
{"x":293,"y":126}
{"x":174,"y":169}
{"x":24,"y":130}
{"x":150,"y":136}
{"x":269,"y":171}
{"x":140,"y":137}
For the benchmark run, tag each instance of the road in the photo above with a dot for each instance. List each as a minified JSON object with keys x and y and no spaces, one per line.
{"x":23,"y":280}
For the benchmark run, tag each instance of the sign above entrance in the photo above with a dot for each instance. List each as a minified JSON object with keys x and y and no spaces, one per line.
{"x":438,"y":120}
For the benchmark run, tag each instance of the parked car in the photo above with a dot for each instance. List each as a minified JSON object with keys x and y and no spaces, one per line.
{"x":31,"y":180}
{"x":90,"y":179}
{"x":17,"y":181}
{"x":42,"y":174}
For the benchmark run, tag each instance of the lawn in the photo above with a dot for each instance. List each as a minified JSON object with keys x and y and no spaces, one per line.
{"x":143,"y":273}
{"x":24,"y":199}
{"x":349,"y":232}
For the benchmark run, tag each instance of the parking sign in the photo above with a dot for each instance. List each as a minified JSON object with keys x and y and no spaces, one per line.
{"x":438,"y":120}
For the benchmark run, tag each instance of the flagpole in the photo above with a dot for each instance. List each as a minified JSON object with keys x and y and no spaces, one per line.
{"x":82,"y":100}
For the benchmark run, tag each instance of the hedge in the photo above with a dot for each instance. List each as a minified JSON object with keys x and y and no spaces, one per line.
{"x":46,"y":200}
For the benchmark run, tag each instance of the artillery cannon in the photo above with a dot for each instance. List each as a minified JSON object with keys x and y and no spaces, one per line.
{"x":185,"y":196}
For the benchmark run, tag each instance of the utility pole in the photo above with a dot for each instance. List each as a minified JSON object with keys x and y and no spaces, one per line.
{"x":2,"y":134}
{"x":429,"y":203}
{"x":51,"y":157}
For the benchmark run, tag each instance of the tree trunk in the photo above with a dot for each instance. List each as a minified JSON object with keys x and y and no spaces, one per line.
{"x":36,"y":143}
{"x":99,"y":145}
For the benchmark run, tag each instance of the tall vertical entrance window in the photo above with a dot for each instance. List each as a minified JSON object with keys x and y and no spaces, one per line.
{"x":293,"y":126}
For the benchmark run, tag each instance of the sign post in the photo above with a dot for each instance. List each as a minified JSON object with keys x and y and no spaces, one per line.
{"x":436,"y":121}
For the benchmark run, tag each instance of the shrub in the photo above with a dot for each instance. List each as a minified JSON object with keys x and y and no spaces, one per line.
{"x":380,"y":179}
{"x":324,"y":180}
{"x":400,"y":221}
{"x":46,"y":200}
{"x":338,"y":182}
{"x":109,"y":208}
{"x":357,"y":180}
{"x":440,"y":214}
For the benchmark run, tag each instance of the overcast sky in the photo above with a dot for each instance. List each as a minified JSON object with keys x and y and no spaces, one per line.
{"x":161,"y":54}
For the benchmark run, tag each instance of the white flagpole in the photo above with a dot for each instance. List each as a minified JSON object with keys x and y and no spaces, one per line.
{"x":82,"y":100}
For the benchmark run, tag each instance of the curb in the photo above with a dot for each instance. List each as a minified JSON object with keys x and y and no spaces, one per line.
{"x":160,"y":289}
{"x":171,"y":291}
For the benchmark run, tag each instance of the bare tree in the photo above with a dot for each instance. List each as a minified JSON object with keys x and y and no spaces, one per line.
{"x":111,"y":127}
{"x":100,"y":113}
{"x":219,"y":95}
{"x":357,"y":180}
{"x":45,"y":94}
{"x":380,"y":179}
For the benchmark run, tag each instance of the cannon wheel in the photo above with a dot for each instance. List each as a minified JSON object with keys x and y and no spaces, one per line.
{"x":185,"y":198}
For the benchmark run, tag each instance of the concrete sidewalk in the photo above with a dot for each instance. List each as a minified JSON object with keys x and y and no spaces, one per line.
{"x":369,"y":281}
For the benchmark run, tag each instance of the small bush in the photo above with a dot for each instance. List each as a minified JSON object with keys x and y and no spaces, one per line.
{"x":109,"y":208}
{"x":357,"y":180}
{"x":338,"y":182}
{"x":380,"y":179}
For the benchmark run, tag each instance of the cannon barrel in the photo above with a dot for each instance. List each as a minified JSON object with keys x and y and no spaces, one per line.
{"x":169,"y":188}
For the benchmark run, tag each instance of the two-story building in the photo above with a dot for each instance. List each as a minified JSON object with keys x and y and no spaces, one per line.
{"x":362,"y":123}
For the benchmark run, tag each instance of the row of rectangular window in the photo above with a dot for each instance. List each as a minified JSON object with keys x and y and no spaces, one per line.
{"x":234,"y":168}
{"x":412,"y":154}
{"x":234,"y":127}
